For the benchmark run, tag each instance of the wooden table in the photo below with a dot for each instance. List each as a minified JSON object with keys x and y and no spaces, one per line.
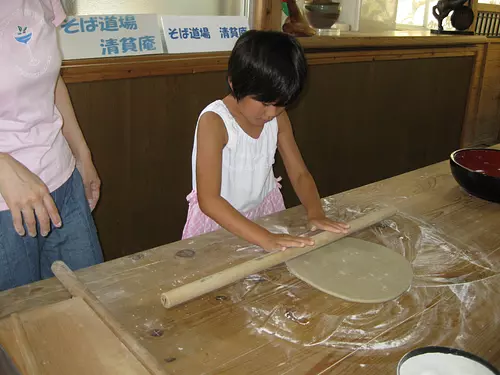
{"x":272,"y":323}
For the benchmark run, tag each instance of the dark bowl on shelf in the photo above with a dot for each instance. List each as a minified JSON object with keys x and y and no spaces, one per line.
{"x":477,"y":170}
{"x":323,"y":14}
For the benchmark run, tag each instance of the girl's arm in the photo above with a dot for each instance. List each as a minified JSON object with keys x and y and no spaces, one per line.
{"x":211,"y":139}
{"x":302,"y":181}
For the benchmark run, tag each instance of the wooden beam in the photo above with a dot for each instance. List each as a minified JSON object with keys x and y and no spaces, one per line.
{"x":471,"y":115}
{"x":267,"y":15}
{"x":493,"y":8}
{"x":103,"y":69}
{"x":473,"y":5}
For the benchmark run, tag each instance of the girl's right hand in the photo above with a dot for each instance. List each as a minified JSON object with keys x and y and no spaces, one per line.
{"x":27,"y":197}
{"x":281,"y":242}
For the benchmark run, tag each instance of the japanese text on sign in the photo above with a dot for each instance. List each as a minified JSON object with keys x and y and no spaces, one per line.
{"x":185,"y":34}
{"x":204,"y":32}
{"x":189,"y":33}
{"x":103,"y":23}
{"x":114,"y":46}
{"x":231,"y":32}
{"x":110,"y":35}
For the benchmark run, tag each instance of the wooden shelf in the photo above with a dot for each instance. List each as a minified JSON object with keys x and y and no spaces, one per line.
{"x":389,"y":39}
{"x":102,"y":69}
{"x":350,"y":47}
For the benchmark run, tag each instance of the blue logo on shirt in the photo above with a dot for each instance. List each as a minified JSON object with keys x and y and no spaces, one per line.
{"x":22,"y":35}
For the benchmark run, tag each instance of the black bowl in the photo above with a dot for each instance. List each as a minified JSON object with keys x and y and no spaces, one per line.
{"x":477,"y":170}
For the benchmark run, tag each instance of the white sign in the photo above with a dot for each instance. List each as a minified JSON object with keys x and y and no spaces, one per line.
{"x":110,"y":35}
{"x":184,"y":34}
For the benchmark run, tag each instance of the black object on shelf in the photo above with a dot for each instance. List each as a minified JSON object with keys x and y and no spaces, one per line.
{"x":461,"y":19}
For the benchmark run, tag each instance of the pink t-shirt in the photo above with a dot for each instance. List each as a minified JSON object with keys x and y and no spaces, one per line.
{"x":30,"y":61}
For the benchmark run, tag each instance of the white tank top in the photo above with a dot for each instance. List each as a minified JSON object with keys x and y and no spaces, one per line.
{"x":247,"y":163}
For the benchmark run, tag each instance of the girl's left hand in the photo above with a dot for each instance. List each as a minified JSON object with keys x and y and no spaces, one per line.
{"x":91,"y":181}
{"x":328,"y":225}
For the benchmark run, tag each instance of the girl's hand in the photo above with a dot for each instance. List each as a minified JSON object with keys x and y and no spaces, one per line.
{"x":281,"y":242}
{"x":326,"y":224}
{"x":27,"y":197}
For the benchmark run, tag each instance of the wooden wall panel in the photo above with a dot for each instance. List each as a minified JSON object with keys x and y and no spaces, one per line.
{"x":140,"y":132}
{"x":359,"y":123}
{"x":488,"y":121}
{"x":356,"y":123}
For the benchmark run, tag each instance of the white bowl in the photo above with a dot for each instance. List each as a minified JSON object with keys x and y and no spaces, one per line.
{"x":439,"y":360}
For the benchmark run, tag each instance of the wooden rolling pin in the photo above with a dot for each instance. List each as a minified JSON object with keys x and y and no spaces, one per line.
{"x":78,"y":289}
{"x":223,"y":278}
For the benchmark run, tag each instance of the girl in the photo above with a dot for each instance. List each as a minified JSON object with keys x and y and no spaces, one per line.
{"x":236,"y":140}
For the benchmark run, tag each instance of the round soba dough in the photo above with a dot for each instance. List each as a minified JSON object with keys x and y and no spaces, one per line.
{"x":354,"y":270}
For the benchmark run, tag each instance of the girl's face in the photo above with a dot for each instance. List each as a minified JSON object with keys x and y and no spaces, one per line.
{"x":258,"y":113}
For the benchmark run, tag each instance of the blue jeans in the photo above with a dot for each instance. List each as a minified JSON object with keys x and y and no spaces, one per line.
{"x":24,"y":260}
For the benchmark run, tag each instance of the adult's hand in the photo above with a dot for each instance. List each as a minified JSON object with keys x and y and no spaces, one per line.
{"x":27,"y":197}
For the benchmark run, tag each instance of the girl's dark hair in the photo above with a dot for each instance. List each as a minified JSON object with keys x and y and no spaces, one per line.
{"x":268,"y":66}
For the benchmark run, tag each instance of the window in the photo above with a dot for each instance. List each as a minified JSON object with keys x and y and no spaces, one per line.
{"x":418,"y":13}
{"x":181,"y":8}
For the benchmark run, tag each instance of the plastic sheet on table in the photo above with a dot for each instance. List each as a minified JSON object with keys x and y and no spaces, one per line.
{"x":452,"y":282}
